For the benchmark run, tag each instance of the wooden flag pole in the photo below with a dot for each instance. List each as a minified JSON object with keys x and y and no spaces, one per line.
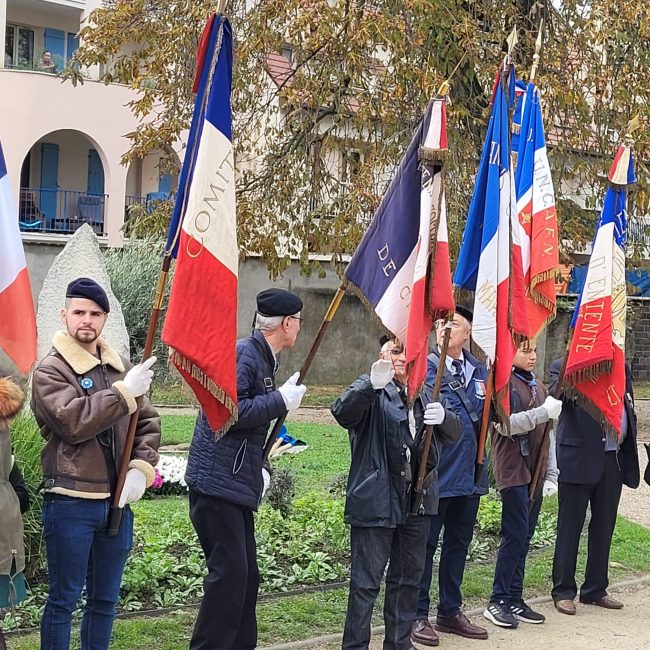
{"x":417,"y":504}
{"x":485,"y":419}
{"x":115,"y":512}
{"x":327,"y":319}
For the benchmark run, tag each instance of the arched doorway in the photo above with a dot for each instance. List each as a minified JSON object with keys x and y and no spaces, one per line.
{"x":152,"y":178}
{"x":62,"y":184}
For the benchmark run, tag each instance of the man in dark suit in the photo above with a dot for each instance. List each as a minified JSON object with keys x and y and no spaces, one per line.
{"x":593,"y":466}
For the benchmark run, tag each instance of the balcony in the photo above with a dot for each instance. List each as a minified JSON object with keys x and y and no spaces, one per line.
{"x":43,"y":210}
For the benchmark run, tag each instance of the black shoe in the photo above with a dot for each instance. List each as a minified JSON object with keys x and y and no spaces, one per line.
{"x":500,"y":614}
{"x":525,"y":614}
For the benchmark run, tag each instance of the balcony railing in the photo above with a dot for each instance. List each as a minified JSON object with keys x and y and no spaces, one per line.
{"x":60,"y":211}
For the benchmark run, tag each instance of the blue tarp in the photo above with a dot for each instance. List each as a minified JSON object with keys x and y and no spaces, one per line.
{"x":639,"y":278}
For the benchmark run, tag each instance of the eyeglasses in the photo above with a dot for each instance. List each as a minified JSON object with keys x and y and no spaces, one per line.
{"x":298,"y":318}
{"x":395,"y":352}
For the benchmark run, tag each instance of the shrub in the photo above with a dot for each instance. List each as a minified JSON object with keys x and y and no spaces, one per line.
{"x":134,"y":270}
{"x":27,"y":444}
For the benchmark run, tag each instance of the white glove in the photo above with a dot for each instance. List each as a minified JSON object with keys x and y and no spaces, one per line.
{"x":434,"y":413}
{"x":134,"y":486}
{"x":549,"y":488}
{"x":292,"y":393}
{"x":553,"y":407}
{"x":381,"y":373}
{"x":138,"y":379}
{"x":266,"y":480}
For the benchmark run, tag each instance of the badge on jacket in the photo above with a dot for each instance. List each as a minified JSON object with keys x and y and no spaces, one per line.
{"x":86,"y":383}
{"x":479,"y":388}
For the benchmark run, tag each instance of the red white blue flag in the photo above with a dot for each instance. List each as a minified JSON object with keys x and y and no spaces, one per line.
{"x":538,"y":229}
{"x":595,"y":371}
{"x":18,"y":323}
{"x":489,"y":260}
{"x":201,"y":322}
{"x":401,"y":267}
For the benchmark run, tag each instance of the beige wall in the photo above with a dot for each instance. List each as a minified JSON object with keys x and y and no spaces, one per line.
{"x":94,"y":109}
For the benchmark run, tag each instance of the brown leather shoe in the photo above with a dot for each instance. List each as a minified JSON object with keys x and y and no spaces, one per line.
{"x":565,"y":607}
{"x":423,"y":633}
{"x":606,"y":601}
{"x":460,"y":625}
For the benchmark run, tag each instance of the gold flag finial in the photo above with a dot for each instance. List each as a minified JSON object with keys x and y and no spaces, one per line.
{"x":512,"y":40}
{"x":538,"y":49}
{"x":633,"y":125}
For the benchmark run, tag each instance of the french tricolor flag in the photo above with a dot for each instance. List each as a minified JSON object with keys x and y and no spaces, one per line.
{"x":537,"y":218}
{"x":201,"y":322}
{"x":595,"y":371}
{"x":18,"y":322}
{"x":489,"y":260}
{"x":401,"y":267}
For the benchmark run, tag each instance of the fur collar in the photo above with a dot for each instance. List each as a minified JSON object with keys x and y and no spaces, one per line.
{"x":80,"y":360}
{"x":11,"y":399}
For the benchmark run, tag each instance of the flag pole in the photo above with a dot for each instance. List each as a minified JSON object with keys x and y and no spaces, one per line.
{"x":417,"y":505}
{"x":115,"y":512}
{"x":546,"y":435}
{"x":538,"y":49}
{"x":327,"y":319}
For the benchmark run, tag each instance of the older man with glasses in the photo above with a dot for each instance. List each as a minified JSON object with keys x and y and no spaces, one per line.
{"x":225,"y":476}
{"x":386,"y":438}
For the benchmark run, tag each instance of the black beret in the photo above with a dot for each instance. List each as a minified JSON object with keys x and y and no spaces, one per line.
{"x":278,"y":302}
{"x":465,"y":312}
{"x":89,"y":289}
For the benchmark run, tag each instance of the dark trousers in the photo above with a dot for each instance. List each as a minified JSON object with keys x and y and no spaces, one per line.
{"x":371,"y":548}
{"x":226,"y":617}
{"x":573,"y":498}
{"x":458,"y":516}
{"x":517,"y":528}
{"x":79,"y":552}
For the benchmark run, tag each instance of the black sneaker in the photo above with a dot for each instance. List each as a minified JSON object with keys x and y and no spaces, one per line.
{"x":500,"y":614}
{"x":525,"y":614}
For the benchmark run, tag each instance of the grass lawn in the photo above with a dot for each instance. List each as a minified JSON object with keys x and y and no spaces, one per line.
{"x":299,"y":617}
{"x":177,"y":429}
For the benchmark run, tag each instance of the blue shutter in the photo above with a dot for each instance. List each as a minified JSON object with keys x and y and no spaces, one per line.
{"x":73,"y":44}
{"x":95,"y":173}
{"x":49,"y":179}
{"x":55,"y":43}
{"x":165,"y":183}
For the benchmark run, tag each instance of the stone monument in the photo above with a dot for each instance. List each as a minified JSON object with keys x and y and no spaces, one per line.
{"x":81,"y":257}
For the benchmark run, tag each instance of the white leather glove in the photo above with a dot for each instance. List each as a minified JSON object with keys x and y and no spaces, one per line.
{"x":553,"y":407}
{"x":134,"y":486}
{"x":138,"y":379}
{"x":434,"y":413}
{"x":381,"y":373}
{"x":549,"y":488}
{"x":266,"y":480}
{"x":292,"y":393}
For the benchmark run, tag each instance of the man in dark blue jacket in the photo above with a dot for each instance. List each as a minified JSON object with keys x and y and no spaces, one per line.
{"x":224,"y":475}
{"x":386,"y":438}
{"x":463,"y":386}
{"x":594,"y":465}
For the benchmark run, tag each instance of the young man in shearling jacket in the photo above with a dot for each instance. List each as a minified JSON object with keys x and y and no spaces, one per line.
{"x":83,"y":395}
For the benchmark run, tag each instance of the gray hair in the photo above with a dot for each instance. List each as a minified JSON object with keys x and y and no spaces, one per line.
{"x":267,"y":323}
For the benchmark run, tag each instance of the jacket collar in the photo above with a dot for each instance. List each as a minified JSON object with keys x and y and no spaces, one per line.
{"x":261,"y":341}
{"x":82,"y":361}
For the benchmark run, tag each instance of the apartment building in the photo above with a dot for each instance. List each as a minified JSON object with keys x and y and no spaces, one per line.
{"x":63,"y":144}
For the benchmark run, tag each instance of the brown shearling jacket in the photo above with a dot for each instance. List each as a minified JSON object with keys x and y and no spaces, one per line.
{"x":72,"y":418}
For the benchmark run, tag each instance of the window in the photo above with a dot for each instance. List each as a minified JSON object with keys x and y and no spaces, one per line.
{"x":19,"y":47}
{"x":351,"y":164}
{"x":287,"y":52}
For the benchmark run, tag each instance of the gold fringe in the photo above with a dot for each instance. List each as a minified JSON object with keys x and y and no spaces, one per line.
{"x":189,"y":368}
{"x":587,"y":405}
{"x":502,"y":416}
{"x":432,"y":156}
{"x":592,"y":372}
{"x":516,"y":129}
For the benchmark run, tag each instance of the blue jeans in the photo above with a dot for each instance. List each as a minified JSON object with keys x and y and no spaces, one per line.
{"x":458,"y":516}
{"x":371,"y":549}
{"x":517,"y":529}
{"x":80,"y":553}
